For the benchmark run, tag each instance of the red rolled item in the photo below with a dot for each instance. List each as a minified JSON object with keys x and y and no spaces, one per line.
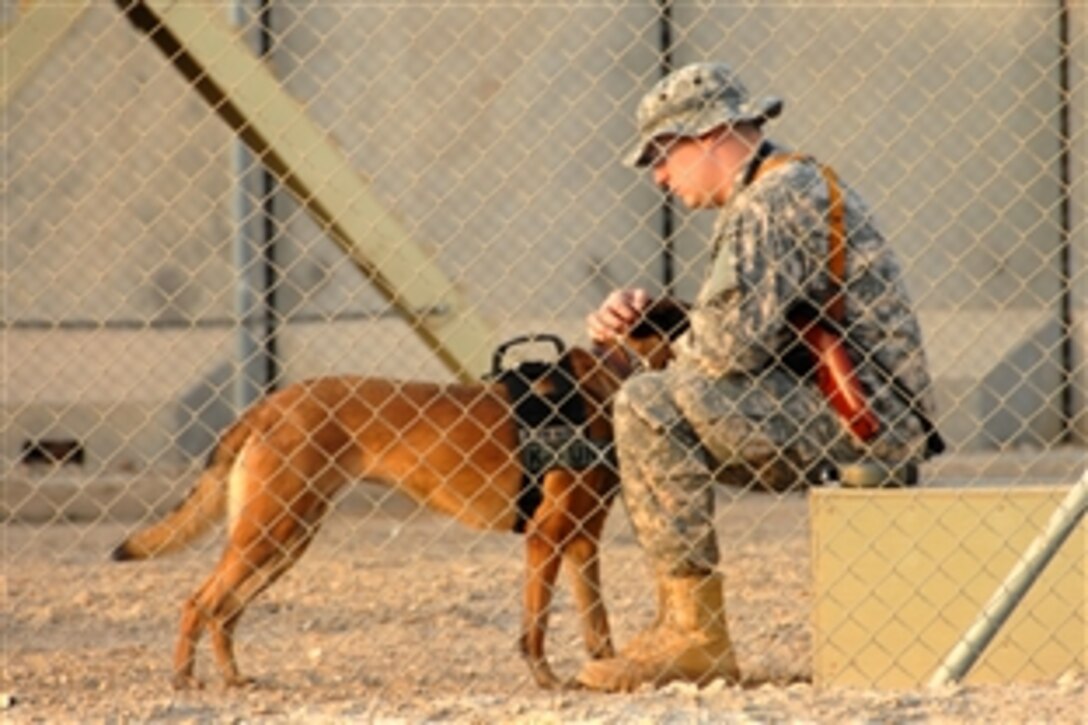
{"x":837,"y":381}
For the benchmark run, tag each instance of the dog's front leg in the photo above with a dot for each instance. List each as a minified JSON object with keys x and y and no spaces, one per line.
{"x":542,"y":568}
{"x":584,"y":573}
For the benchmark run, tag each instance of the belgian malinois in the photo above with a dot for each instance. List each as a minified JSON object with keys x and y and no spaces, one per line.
{"x":276,"y":470}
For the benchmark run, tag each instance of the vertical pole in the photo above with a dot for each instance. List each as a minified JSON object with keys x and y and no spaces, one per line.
{"x":249,"y":376}
{"x":1065,"y":223}
{"x":668,"y":221}
{"x":269,"y":235}
{"x":254,"y":251}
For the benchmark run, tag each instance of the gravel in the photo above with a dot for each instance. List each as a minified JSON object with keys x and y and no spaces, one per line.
{"x":396,"y":614}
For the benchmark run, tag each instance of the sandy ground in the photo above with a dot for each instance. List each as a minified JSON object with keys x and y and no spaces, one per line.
{"x":413,"y":618}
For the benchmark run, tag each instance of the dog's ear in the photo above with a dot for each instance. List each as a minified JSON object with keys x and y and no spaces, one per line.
{"x":594,"y":376}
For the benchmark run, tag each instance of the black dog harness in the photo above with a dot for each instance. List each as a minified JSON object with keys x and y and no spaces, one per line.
{"x":551,"y":426}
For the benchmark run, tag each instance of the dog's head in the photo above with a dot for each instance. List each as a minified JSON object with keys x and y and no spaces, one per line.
{"x":598,"y":373}
{"x":652,"y":336}
{"x":647,"y":345}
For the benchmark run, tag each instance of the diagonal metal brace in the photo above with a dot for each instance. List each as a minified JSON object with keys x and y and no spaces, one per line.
{"x":26,"y":43}
{"x":1019,"y":580}
{"x":246,"y":95}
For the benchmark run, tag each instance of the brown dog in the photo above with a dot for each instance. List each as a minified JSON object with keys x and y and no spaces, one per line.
{"x":454,"y":448}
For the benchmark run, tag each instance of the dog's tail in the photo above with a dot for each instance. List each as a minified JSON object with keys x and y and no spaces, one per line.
{"x":200,"y":510}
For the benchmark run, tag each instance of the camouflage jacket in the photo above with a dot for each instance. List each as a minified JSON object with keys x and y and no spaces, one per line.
{"x":771,"y":254}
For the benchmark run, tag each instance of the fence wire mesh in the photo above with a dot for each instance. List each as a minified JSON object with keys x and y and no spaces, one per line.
{"x":204,"y":203}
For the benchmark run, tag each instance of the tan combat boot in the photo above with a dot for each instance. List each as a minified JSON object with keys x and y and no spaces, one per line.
{"x":688,"y":642}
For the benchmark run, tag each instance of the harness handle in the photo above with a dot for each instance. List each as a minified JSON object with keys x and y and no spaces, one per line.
{"x":500,"y":351}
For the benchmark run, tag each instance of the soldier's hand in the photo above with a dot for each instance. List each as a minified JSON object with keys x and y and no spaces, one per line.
{"x":619,"y":311}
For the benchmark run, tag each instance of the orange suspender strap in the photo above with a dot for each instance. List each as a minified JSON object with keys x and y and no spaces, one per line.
{"x":847,"y":397}
{"x":836,"y":223}
{"x":834,"y":370}
{"x":836,"y":246}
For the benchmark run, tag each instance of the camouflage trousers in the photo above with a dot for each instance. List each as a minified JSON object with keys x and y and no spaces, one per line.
{"x":678,"y":432}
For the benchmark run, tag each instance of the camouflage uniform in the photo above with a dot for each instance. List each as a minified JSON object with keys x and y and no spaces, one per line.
{"x":728,"y":407}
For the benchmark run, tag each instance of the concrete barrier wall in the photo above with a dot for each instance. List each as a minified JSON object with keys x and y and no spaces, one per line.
{"x":494,"y":134}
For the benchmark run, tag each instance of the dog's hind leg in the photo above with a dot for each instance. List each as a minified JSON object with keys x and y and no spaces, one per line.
{"x":246,"y":569}
{"x":192,"y":624}
{"x":228,"y":610}
{"x":218,"y":602}
{"x":275,"y":513}
{"x":218,"y":605}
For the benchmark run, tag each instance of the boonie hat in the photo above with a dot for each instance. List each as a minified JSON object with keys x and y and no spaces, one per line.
{"x":691,"y":101}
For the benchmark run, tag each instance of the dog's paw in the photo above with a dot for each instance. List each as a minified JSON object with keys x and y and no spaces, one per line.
{"x":545,"y":678}
{"x":572,"y":684}
{"x":238,"y":682}
{"x":603,"y":652}
{"x":186,"y":682}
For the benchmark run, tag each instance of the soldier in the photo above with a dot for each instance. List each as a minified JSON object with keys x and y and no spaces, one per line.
{"x":734,"y":404}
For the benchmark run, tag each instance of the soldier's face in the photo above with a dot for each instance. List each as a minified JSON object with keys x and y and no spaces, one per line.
{"x":694,"y":170}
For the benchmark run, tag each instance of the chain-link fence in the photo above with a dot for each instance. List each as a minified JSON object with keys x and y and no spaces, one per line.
{"x":206,"y":202}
